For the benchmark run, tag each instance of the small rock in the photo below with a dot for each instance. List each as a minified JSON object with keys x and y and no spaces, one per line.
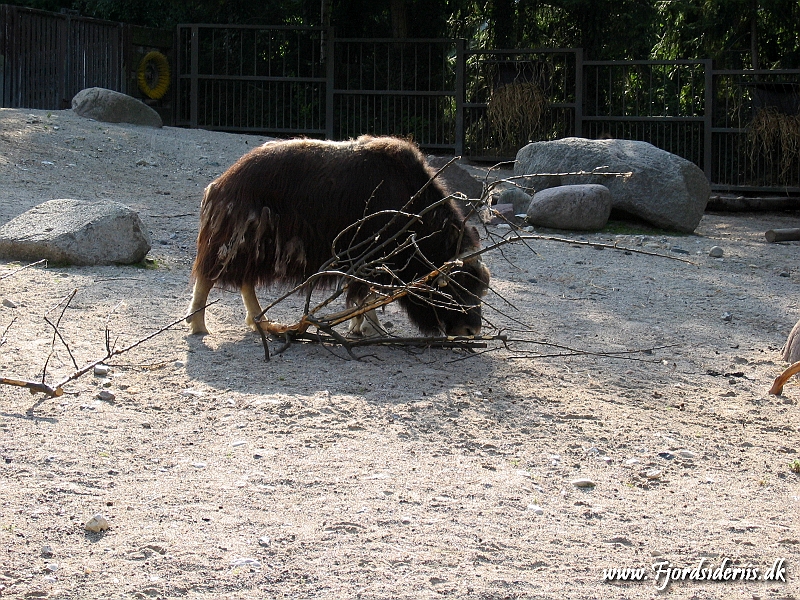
{"x":653,"y":474}
{"x":678,"y":250}
{"x":536,"y":509}
{"x":727,"y":317}
{"x":716,"y":252}
{"x":246,"y":562}
{"x":8,"y":303}
{"x":784,"y":274}
{"x":106,"y":396}
{"x":264,"y":541}
{"x":101,"y":370}
{"x":96,"y":524}
{"x":632,"y":461}
{"x":47,"y":551}
{"x":666,"y":455}
{"x":238,"y":443}
{"x":199,"y":465}
{"x":583,"y":483}
{"x":51,"y":567}
{"x":687,"y":454}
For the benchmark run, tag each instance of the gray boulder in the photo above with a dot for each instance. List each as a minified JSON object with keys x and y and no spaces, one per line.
{"x":76,"y":232}
{"x":456,"y":178}
{"x":516,"y":197}
{"x":575,"y":207}
{"x":664,"y":190}
{"x":113,"y":107}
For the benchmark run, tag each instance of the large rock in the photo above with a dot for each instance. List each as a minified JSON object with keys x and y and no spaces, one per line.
{"x":456,"y":178}
{"x":576,"y":207}
{"x":76,"y":232}
{"x":113,"y":107}
{"x":664,"y":190}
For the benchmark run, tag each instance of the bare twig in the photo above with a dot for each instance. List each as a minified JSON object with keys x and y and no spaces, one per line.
{"x":33,"y":264}
{"x":780,"y":381}
{"x":57,"y":389}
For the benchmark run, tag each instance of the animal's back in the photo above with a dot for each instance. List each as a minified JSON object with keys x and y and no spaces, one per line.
{"x":273,"y":216}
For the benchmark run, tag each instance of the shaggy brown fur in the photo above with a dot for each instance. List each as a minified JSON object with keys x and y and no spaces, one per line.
{"x":273,"y":216}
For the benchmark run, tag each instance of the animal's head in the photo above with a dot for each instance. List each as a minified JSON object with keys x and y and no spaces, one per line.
{"x":452,"y":306}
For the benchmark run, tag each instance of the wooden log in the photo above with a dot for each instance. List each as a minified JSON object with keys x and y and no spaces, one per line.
{"x":783,"y":235}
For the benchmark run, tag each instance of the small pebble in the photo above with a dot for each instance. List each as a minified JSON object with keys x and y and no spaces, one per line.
{"x":536,"y":509}
{"x":504,"y":226}
{"x":784,"y":274}
{"x":199,"y":465}
{"x":716,"y":252}
{"x":727,"y":317}
{"x":106,"y":396}
{"x":96,"y":524}
{"x":666,"y":455}
{"x":678,"y":250}
{"x":653,"y":474}
{"x":632,"y":461}
{"x":246,"y":562}
{"x":687,"y":454}
{"x":47,"y":551}
{"x":264,"y":541}
{"x":583,"y":483}
{"x":238,"y":443}
{"x":8,"y":303}
{"x":101,"y":370}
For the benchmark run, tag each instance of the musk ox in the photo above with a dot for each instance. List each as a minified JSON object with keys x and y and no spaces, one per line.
{"x":275,"y":216}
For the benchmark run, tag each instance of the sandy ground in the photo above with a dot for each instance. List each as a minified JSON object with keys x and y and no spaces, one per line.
{"x":412,"y":475}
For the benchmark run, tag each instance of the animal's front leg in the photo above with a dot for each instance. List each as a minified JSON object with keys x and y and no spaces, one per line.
{"x":197,"y":321}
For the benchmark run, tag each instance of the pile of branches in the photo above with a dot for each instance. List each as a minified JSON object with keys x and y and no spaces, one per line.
{"x":366,"y":262}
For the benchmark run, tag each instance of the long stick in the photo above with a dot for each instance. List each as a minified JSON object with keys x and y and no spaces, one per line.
{"x":58,"y":388}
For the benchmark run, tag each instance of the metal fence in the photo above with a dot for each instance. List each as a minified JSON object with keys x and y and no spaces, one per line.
{"x":46,"y":58}
{"x":514,"y":96}
{"x":251,"y":79}
{"x":741,"y":127}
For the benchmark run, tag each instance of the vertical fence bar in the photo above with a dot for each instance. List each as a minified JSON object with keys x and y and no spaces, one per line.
{"x":194,"y":81}
{"x":330,"y":73}
{"x":460,"y":93}
{"x":708,"y":118}
{"x":578,"y":93}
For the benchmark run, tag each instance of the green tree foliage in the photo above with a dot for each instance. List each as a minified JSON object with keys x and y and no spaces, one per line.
{"x":735,"y":33}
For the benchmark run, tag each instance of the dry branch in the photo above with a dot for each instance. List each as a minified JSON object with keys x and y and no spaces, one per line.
{"x":33,"y":264}
{"x":365,"y":263}
{"x":57,"y":389}
{"x":780,"y":381}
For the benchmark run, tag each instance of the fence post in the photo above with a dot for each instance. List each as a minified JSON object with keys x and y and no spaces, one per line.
{"x":708,"y":118}
{"x":330,"y":73}
{"x":578,"y":92}
{"x":460,"y":93}
{"x":194,"y":82}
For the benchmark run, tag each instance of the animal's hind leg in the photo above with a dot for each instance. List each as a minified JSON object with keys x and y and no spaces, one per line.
{"x":197,"y":321}
{"x":250,"y":304}
{"x":366,"y":325}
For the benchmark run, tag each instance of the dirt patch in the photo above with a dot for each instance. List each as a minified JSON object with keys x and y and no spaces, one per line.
{"x":407,"y":474}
